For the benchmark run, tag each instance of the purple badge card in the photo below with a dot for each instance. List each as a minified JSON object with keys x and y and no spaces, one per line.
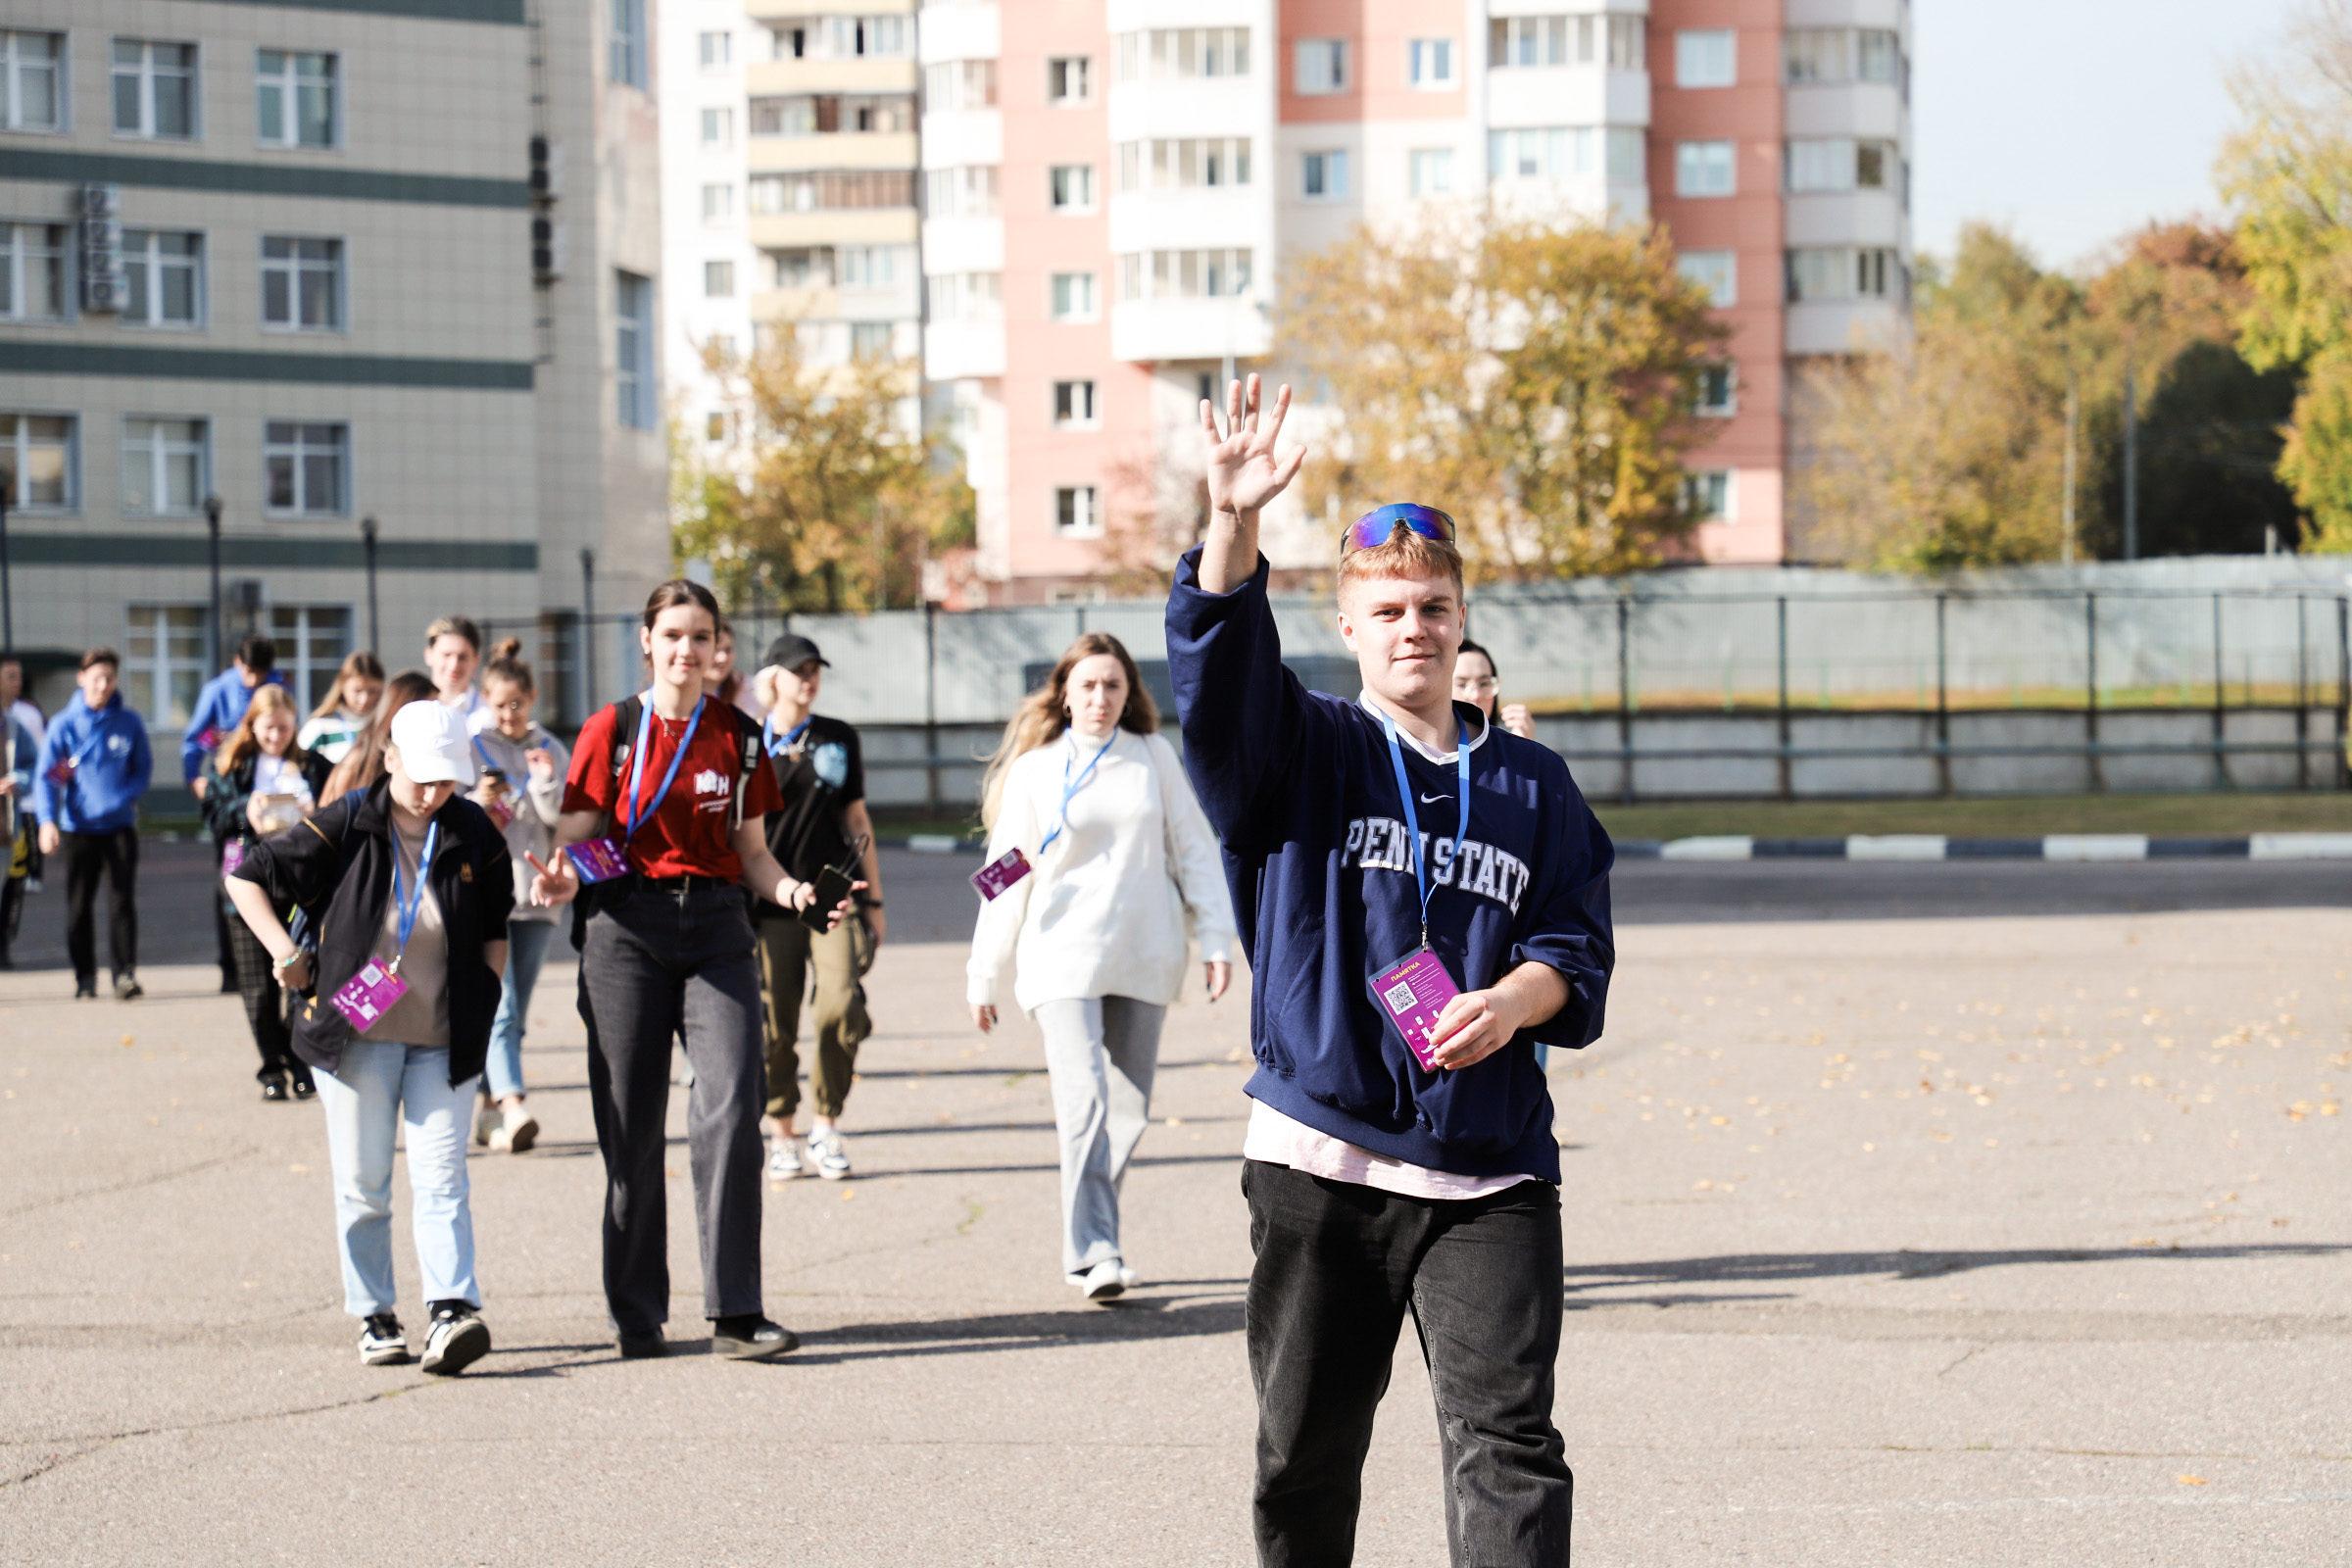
{"x":232,"y":856}
{"x":369,"y":994}
{"x":597,"y":860}
{"x":1002,"y":872}
{"x":500,"y":813}
{"x":1412,"y":992}
{"x":61,"y":772}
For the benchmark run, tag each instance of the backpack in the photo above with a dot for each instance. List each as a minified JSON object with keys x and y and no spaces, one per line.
{"x":626,"y":715}
{"x":303,"y":927}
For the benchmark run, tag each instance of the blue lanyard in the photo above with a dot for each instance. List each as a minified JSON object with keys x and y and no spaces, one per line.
{"x":768,"y":735}
{"x":1071,"y":787}
{"x":1413,"y":818}
{"x":480,"y":752}
{"x":644,"y":725}
{"x":97,"y":734}
{"x":410,"y":905}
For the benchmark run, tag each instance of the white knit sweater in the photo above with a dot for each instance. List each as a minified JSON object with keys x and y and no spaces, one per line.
{"x":1103,"y":910}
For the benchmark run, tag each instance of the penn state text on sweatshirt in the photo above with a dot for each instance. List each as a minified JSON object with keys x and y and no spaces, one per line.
{"x":1303,"y":792}
{"x":111,"y":765}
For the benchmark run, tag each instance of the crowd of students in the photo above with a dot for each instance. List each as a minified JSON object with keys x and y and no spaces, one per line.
{"x":1420,"y":889}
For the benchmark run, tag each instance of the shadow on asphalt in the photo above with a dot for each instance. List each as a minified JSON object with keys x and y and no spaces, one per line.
{"x":1770,"y":1268}
{"x":1126,"y":1321}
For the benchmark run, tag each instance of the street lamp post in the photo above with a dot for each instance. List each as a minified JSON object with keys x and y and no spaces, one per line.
{"x":588,"y":632}
{"x":376,"y":631}
{"x":8,"y":598}
{"x":212,"y":520}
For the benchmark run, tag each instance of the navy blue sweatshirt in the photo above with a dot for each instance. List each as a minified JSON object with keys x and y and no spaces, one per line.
{"x":1301,"y":788}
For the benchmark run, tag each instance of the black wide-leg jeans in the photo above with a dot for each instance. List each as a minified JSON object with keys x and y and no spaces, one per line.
{"x":670,"y":958}
{"x":114,"y":859}
{"x":1338,"y":1266}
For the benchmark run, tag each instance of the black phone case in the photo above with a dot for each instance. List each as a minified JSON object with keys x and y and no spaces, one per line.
{"x":832,"y":886}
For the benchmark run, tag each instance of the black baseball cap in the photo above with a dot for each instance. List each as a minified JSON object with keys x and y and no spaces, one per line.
{"x":792,"y":650}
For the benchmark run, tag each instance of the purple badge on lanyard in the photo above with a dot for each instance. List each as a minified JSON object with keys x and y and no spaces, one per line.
{"x":61,"y":772}
{"x":232,"y":856}
{"x":369,"y":994}
{"x":1412,"y":992}
{"x":597,"y":860}
{"x":1002,"y":872}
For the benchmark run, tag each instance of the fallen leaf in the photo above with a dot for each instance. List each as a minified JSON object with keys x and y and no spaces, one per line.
{"x":848,"y":1193}
{"x":298,"y":1170}
{"x":2192,"y":1481}
{"x":127,"y":1041}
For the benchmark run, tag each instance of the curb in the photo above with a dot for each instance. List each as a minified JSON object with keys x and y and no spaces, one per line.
{"x":2070,"y":846}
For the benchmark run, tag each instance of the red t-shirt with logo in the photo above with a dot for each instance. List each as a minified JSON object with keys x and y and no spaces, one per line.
{"x":688,"y":833}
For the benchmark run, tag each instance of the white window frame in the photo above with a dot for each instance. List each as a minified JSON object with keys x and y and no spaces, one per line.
{"x":1077,"y":511}
{"x":1728,"y":371}
{"x":1558,"y":151}
{"x":1428,"y":64}
{"x":718,"y":202}
{"x":146,"y":446}
{"x":1628,"y":42}
{"x":1717,"y":271}
{"x":879,"y":341}
{"x":142,"y":253}
{"x":154,"y":634}
{"x":1706,"y":57}
{"x":716,"y":50}
{"x":1070,"y":187}
{"x":298,"y":266}
{"x":288,"y":84}
{"x":1843,"y":273}
{"x":16,"y":445}
{"x":1062,"y":71}
{"x":869,"y":268}
{"x":1428,"y":171}
{"x":717,"y":127}
{"x":146,"y":74}
{"x":1706,"y":169}
{"x":15,"y":64}
{"x":19,"y":256}
{"x":1180,"y":54}
{"x":1536,"y":43}
{"x":636,"y":394}
{"x":1073,"y":297}
{"x":309,"y":670}
{"x":718,"y":279}
{"x":299,"y":449}
{"x":1074,"y":405}
{"x":1321,"y":68}
{"x":1712,"y":495}
{"x":1326,"y":167}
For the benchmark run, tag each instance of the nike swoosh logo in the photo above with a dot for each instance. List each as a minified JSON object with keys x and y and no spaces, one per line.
{"x":1431,"y":800}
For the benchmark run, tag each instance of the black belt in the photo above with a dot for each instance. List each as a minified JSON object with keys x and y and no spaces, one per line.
{"x":689,"y":884}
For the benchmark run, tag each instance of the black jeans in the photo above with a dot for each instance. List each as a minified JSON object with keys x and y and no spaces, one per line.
{"x":264,"y":1003}
{"x":225,"y":920}
{"x":1338,"y":1264}
{"x":114,"y":857}
{"x":670,"y":960}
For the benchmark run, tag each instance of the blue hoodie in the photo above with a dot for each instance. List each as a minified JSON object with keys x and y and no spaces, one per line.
{"x":1303,"y":792}
{"x":111,"y":772}
{"x":220,"y":707}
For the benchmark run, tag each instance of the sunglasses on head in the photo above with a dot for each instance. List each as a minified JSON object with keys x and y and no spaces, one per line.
{"x":1377,"y":526}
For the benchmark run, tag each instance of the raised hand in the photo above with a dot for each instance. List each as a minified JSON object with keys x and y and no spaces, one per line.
{"x":555,"y":884}
{"x":1243,"y":473}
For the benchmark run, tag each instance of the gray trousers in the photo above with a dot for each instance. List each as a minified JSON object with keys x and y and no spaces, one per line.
{"x":1101,"y":1053}
{"x":674,"y":958}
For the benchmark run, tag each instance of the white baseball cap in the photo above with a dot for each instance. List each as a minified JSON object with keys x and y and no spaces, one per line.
{"x":432,"y":744}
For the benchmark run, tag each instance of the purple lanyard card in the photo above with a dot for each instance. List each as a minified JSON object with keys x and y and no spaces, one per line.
{"x":369,"y":994}
{"x":1412,"y":992}
{"x":1001,"y":873}
{"x":232,"y":856}
{"x":599,"y":860}
{"x":61,"y":772}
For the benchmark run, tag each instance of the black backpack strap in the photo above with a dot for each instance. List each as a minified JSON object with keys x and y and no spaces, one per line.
{"x":754,"y":757}
{"x":625,"y":714}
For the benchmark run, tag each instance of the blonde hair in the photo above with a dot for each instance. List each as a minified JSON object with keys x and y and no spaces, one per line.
{"x":1404,"y":553}
{"x":363,"y":664}
{"x":240,"y":743}
{"x":364,"y":763}
{"x":1045,"y":714}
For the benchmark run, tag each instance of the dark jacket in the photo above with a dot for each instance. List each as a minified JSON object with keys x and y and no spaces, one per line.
{"x":226,"y":794}
{"x":337,"y":867}
{"x":1303,"y":792}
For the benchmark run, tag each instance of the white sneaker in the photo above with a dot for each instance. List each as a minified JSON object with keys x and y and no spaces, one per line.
{"x":784,"y":1159}
{"x":1129,"y":1279}
{"x":382,"y":1342}
{"x":1106,"y":1281}
{"x":829,"y":1152}
{"x":486,"y":1121}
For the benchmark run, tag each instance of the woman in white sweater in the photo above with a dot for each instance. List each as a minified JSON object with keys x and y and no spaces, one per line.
{"x":1123,"y":871}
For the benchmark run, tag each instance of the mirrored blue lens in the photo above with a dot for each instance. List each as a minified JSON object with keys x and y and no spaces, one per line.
{"x":1374,"y":527}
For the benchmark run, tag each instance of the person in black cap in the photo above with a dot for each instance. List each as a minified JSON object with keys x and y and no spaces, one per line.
{"x":821,"y":773}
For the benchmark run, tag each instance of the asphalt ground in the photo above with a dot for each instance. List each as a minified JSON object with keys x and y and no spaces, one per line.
{"x":1914,"y":1213}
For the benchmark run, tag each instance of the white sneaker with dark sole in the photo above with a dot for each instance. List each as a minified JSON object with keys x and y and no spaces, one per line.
{"x":784,"y":1160}
{"x":455,"y":1342}
{"x":382,"y":1342}
{"x":829,"y":1152}
{"x":1106,"y":1281}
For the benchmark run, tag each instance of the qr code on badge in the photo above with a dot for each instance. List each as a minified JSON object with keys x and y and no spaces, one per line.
{"x":1398,"y":996}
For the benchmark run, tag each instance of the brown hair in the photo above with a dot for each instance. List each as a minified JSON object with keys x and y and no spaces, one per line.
{"x":1404,"y":553}
{"x":506,"y":663}
{"x":240,"y":744}
{"x":454,"y":626}
{"x":364,"y":763}
{"x":99,"y":656}
{"x":1045,"y":714}
{"x":678,"y":591}
{"x":361,"y":662}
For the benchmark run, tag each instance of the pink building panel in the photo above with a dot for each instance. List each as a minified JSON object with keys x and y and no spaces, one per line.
{"x":1379,"y":33}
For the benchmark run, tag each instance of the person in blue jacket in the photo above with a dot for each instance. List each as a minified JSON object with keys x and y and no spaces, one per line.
{"x":220,"y":708}
{"x":95,"y":764}
{"x":1425,"y":900}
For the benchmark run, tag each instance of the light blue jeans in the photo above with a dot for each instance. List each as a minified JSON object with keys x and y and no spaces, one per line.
{"x":526,"y":949}
{"x":379,"y":1088}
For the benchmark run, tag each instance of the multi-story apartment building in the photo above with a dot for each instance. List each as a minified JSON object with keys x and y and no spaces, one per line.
{"x":789,"y":153}
{"x":369,"y":273}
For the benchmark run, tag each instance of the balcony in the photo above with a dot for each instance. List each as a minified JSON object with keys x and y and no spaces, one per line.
{"x":955,"y":351}
{"x":1160,"y":329}
{"x":761,"y":77}
{"x":847,"y":149}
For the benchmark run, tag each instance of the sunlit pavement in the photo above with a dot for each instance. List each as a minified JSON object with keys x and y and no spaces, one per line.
{"x":2005,"y":1240}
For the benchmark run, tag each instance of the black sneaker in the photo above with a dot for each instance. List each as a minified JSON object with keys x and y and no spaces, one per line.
{"x":751,"y":1337}
{"x":647,"y":1347}
{"x":382,"y":1342}
{"x":85,"y":985}
{"x":273,"y":1090}
{"x":128,"y":987}
{"x":304,"y":1087}
{"x":456,"y":1340}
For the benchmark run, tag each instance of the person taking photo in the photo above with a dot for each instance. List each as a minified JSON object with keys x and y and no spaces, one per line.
{"x":219,"y":708}
{"x":94,"y":766}
{"x":406,"y":886}
{"x":666,"y":804}
{"x":1122,"y":871}
{"x":337,"y":724}
{"x":821,"y":778}
{"x":522,"y":787}
{"x":258,"y":783}
{"x":1424,"y":898}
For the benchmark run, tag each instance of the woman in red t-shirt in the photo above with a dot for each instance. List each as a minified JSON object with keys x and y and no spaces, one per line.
{"x":666,"y":949}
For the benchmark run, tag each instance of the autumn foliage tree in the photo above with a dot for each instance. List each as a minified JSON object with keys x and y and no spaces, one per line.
{"x":1535,"y":379}
{"x":843,"y":494}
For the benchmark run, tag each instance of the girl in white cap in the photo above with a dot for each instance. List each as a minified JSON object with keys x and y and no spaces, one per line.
{"x":404,"y":889}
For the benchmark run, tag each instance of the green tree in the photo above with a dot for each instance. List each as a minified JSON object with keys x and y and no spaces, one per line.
{"x":1535,"y":380}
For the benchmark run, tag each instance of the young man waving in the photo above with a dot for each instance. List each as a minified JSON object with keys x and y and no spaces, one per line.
{"x":1425,"y":900}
